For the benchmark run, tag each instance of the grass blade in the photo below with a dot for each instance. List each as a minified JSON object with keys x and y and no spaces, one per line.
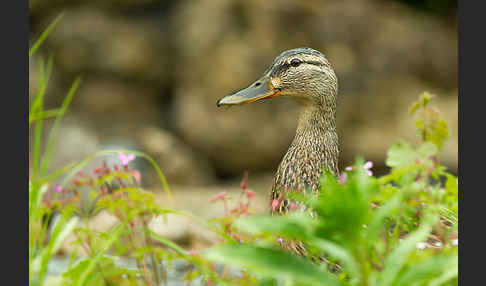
{"x":186,"y":255}
{"x":44,"y":115}
{"x":65,"y":104}
{"x":62,"y":228}
{"x":44,"y":35}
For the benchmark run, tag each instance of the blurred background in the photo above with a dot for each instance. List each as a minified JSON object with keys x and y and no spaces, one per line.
{"x":153,"y":70}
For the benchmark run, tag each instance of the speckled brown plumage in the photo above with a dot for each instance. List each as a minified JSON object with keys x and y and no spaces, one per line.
{"x":304,"y":74}
{"x":315,"y":146}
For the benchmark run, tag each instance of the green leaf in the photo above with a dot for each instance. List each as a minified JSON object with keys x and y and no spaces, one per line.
{"x":423,"y":271}
{"x":451,"y":273}
{"x":376,"y":223}
{"x":427,"y":149}
{"x":341,"y":254}
{"x":400,"y":154}
{"x":84,"y":275}
{"x":452,"y":185}
{"x":270,"y":263}
{"x":421,"y":102}
{"x":440,"y":133}
{"x":295,"y":225}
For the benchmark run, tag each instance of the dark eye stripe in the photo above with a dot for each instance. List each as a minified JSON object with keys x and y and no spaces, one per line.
{"x":287,"y":65}
{"x":316,"y":63}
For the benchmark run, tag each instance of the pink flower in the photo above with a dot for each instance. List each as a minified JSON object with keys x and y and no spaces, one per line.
{"x":125,"y":159}
{"x":343,"y":178}
{"x":250,"y":194}
{"x":294,"y":206}
{"x":219,"y":197}
{"x":368,"y":165}
{"x":275,"y":204}
{"x":58,"y":189}
{"x":280,"y":240}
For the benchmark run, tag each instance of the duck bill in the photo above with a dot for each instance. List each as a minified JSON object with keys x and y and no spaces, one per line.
{"x":258,"y":90}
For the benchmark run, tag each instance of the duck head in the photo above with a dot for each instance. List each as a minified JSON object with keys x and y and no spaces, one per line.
{"x":302,"y":73}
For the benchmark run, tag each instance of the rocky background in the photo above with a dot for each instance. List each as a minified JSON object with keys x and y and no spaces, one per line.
{"x":153,"y":70}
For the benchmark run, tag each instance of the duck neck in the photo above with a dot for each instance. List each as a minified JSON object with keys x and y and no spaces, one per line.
{"x":316,"y":132}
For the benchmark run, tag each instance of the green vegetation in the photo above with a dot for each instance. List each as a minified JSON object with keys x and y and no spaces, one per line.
{"x":398,"y":229}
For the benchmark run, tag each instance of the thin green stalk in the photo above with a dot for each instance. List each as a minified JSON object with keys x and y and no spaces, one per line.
{"x":65,"y":104}
{"x":44,"y":115}
{"x":187,"y":256}
{"x":44,"y":35}
{"x":38,"y":104}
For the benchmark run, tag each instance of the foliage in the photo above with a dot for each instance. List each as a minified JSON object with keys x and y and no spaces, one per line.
{"x":399,"y":229}
{"x":59,"y":212}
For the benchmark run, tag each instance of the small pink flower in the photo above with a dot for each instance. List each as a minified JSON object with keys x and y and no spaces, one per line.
{"x":250,"y":194}
{"x":343,"y":178}
{"x":219,"y":197}
{"x":58,"y":189}
{"x":348,"y":168}
{"x":275,"y":204}
{"x":368,"y":165}
{"x":125,"y":159}
{"x":294,"y":206}
{"x":280,"y":240}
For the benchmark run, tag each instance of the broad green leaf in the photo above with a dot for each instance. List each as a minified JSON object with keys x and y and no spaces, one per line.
{"x":449,"y":274}
{"x":427,"y":149}
{"x":296,"y":225}
{"x":341,"y":254}
{"x":427,"y":269}
{"x":400,"y":154}
{"x":270,"y":263}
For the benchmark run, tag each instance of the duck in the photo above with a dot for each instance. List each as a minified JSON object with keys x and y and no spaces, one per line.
{"x":306,"y":75}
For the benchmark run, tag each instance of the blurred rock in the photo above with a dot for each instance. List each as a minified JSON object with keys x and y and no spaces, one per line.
{"x":98,"y":41}
{"x":372,"y":45}
{"x":117,"y":111}
{"x":180,"y":164}
{"x":74,"y":141}
{"x":164,"y":65}
{"x":370,"y":124}
{"x":181,"y":229}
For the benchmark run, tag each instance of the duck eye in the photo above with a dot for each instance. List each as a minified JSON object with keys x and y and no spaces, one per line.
{"x":295,"y":62}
